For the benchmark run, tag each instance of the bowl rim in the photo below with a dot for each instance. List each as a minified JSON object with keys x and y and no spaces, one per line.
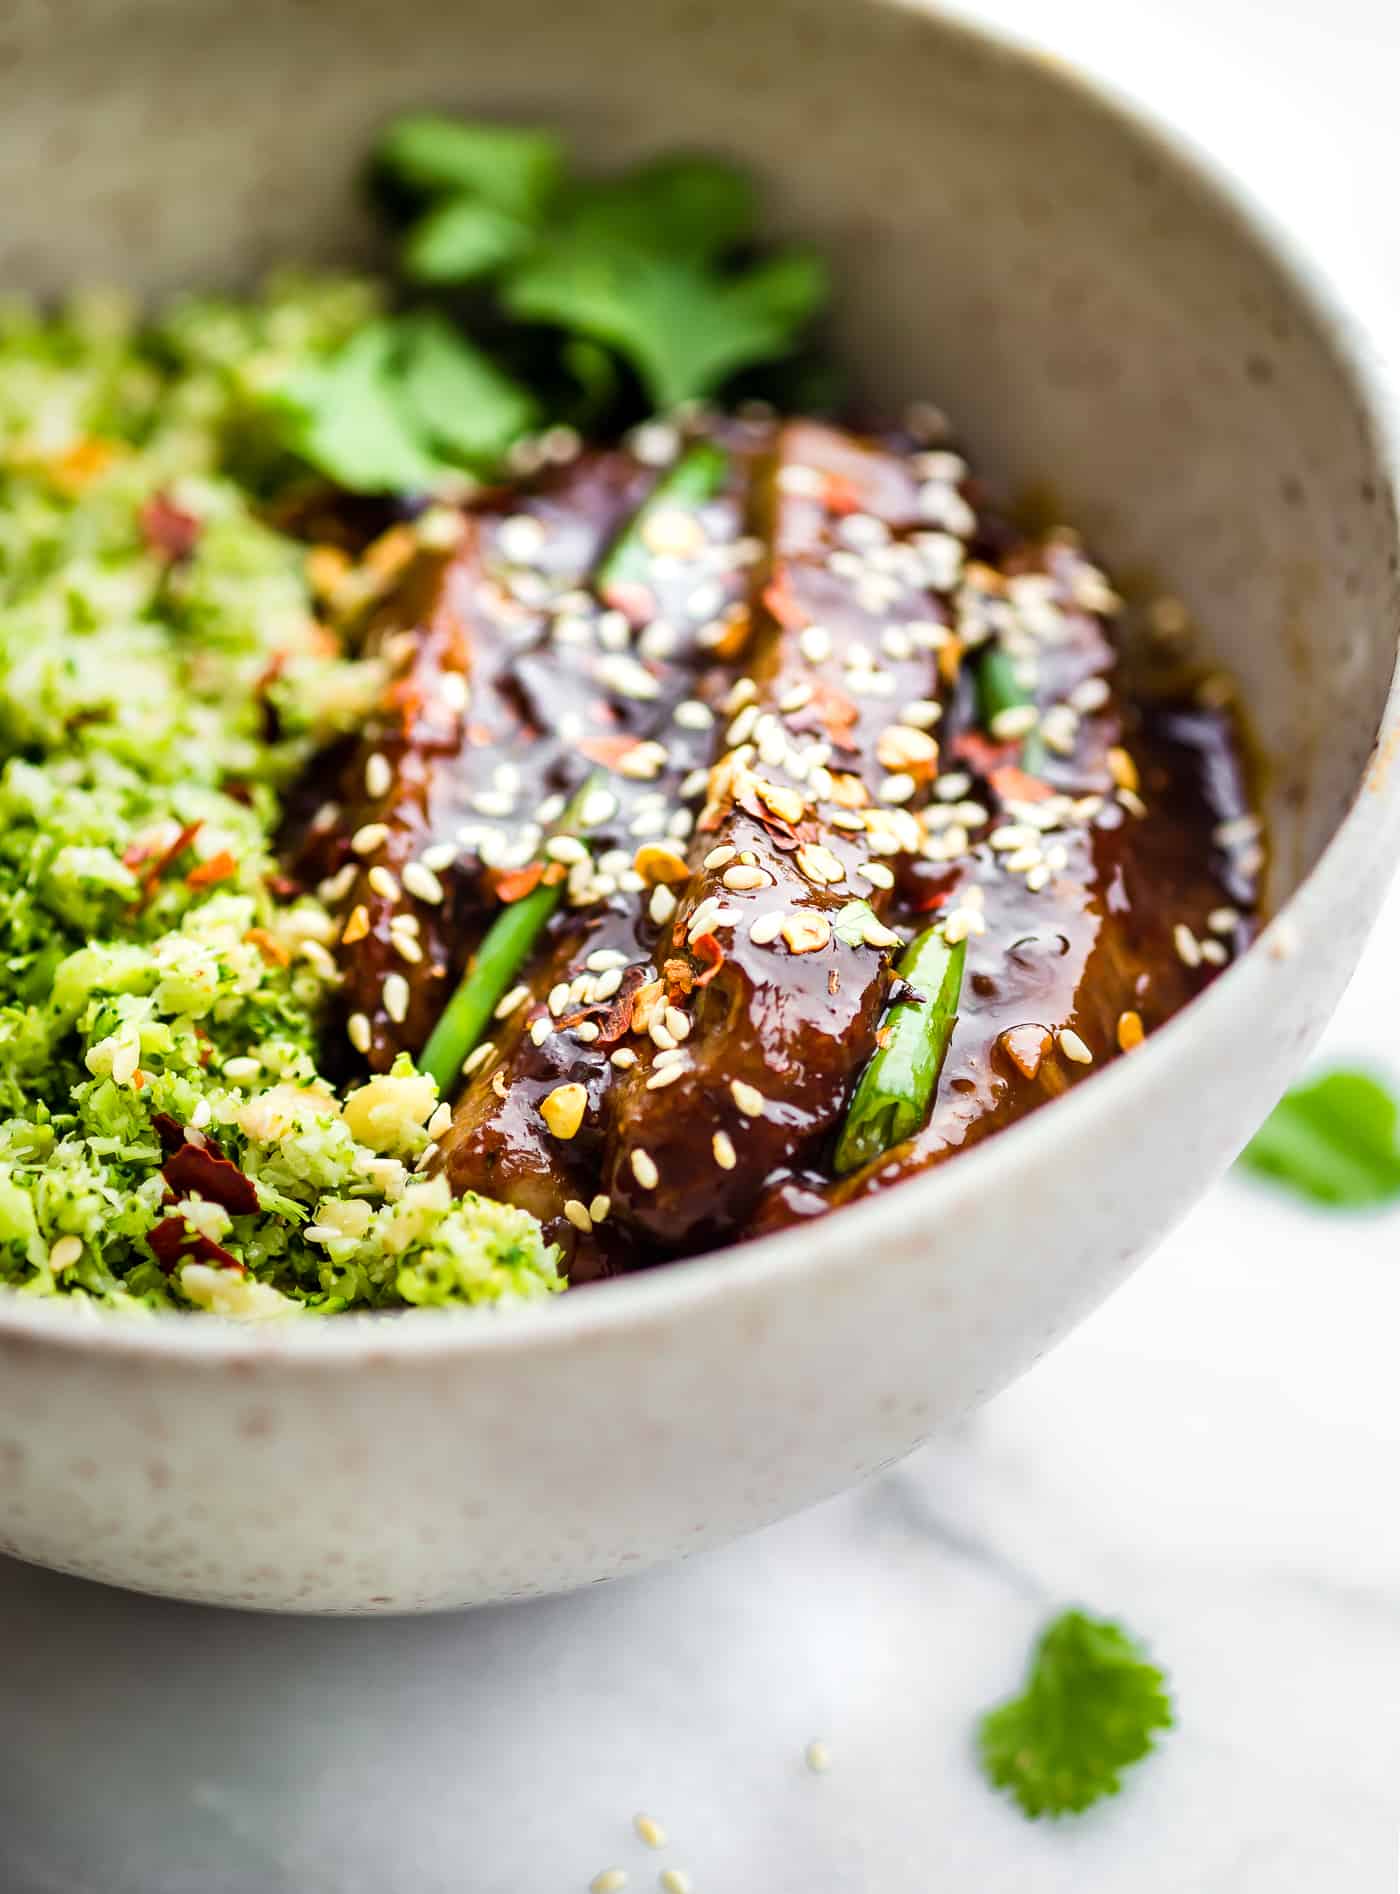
{"x":650,"y":1298}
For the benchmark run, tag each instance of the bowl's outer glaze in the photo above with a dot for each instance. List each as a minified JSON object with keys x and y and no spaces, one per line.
{"x":1096,"y":314}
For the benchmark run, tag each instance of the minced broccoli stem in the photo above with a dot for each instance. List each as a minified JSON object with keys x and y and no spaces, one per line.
{"x":153,"y":707}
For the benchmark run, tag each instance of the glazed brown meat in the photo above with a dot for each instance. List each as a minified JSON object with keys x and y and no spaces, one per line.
{"x":818,"y":698}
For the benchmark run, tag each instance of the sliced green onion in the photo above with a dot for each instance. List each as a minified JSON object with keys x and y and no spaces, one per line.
{"x":895,"y":1092}
{"x":698,"y":475}
{"x":508,"y":943}
{"x":999,"y":689}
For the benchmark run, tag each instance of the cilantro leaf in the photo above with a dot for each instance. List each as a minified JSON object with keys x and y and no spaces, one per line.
{"x":512,"y":168}
{"x":406,"y":402}
{"x":458,"y":399}
{"x":344,"y":416}
{"x":1333,"y":1141}
{"x":463,"y":238}
{"x":681,"y":206}
{"x":682,"y":326}
{"x":1092,"y":1705}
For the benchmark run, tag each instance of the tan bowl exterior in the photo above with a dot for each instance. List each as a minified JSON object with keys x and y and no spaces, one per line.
{"x":1095,"y":310}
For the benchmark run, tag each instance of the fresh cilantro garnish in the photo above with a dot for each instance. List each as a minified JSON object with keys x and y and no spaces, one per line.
{"x":654,"y":264}
{"x":1333,"y":1141}
{"x":1092,"y":1705}
{"x":598,"y":299}
{"x":406,"y":401}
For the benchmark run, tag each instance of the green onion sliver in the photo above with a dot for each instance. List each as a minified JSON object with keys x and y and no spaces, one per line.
{"x":999,"y":689}
{"x":895,"y":1092}
{"x":697,"y":476}
{"x":508,"y":943}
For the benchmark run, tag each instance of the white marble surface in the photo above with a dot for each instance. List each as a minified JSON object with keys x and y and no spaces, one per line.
{"x":1213,"y":1457}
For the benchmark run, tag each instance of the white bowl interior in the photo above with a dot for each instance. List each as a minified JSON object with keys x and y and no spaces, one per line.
{"x":1095,"y":316}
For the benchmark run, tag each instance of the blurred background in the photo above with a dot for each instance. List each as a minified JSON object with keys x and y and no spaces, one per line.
{"x":1212,"y":1458}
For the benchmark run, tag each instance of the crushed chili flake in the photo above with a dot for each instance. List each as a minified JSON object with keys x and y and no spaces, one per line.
{"x":679,"y":975}
{"x":172,"y":1241}
{"x":208,"y":874}
{"x":202,"y":1170}
{"x":1015,"y":785}
{"x":705,"y":947}
{"x":984,"y":756}
{"x":607,"y":751}
{"x":168,"y":529}
{"x":163,"y":860}
{"x":513,"y":884}
{"x":778,"y":597}
{"x":271,"y":949}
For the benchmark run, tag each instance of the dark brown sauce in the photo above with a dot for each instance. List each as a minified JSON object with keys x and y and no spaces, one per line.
{"x":785,"y":709}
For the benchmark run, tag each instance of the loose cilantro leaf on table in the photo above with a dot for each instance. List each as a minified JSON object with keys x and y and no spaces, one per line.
{"x":1092,"y":1705}
{"x":1333,"y":1141}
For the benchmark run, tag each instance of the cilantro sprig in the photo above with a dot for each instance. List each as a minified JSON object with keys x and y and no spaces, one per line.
{"x":539,"y":296}
{"x":1333,"y":1141}
{"x":1092,"y":1705}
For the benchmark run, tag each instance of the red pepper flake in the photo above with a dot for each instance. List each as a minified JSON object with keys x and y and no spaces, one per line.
{"x":705,"y":947}
{"x":607,"y":751}
{"x":172,"y":1241}
{"x":635,"y":601}
{"x":778,"y":597}
{"x":283,"y":887}
{"x":203,"y":1170}
{"x":983,"y":755}
{"x":615,"y":1021}
{"x":159,"y":860}
{"x":840,"y":495}
{"x":1015,"y":785}
{"x":220,"y":867}
{"x":272,"y":951}
{"x":513,"y":884}
{"x":168,"y":529}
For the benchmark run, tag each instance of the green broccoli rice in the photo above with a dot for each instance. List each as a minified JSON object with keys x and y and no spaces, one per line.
{"x":165,"y":680}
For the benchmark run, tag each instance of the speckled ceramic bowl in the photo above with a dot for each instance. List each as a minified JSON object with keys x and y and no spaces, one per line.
{"x":1097,"y":311}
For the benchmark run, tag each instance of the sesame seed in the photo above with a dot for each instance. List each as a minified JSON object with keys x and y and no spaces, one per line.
{"x":624,"y":1058}
{"x":1038,"y":877}
{"x":664,"y":1075}
{"x":562,"y":1109}
{"x":454,"y":692}
{"x":652,"y":1833}
{"x":379,"y":776}
{"x":644,"y":1170}
{"x":743,"y":879}
{"x":510,"y":1001}
{"x":817,"y":1757}
{"x":897,"y":788}
{"x":420,"y":881}
{"x":577,"y":1213}
{"x":806,"y":933}
{"x":1223,"y":920}
{"x":675,"y":1881}
{"x":1017,"y":720}
{"x":607,"y":983}
{"x":747,"y":1097}
{"x":368,"y":838}
{"x":677,"y":1023}
{"x":662,"y":906}
{"x":1122,"y":768}
{"x":819,"y":864}
{"x":693,"y":715}
{"x":1074,"y":1047}
{"x":541,"y":1028}
{"x":382,"y":882}
{"x":717,"y":857}
{"x":876,"y":874}
{"x":357,"y":1031}
{"x":405,"y":946}
{"x":1130,"y":1031}
{"x":643,"y":762}
{"x":1089,"y":696}
{"x":479,"y":1056}
{"x":815,"y":644}
{"x":335,"y":887}
{"x":1215,"y":952}
{"x":566,"y":848}
{"x":519,"y":538}
{"x":65,"y":1252}
{"x":610,"y":1881}
{"x":1188,"y":948}
{"x":396,"y":997}
{"x":440,"y":1120}
{"x":723,"y":1147}
{"x":599,"y":1208}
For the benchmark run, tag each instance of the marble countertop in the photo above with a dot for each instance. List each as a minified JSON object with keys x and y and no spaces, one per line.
{"x":1212,"y":1457}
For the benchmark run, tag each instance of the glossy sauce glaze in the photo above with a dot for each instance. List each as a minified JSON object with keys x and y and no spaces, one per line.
{"x":760,"y":647}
